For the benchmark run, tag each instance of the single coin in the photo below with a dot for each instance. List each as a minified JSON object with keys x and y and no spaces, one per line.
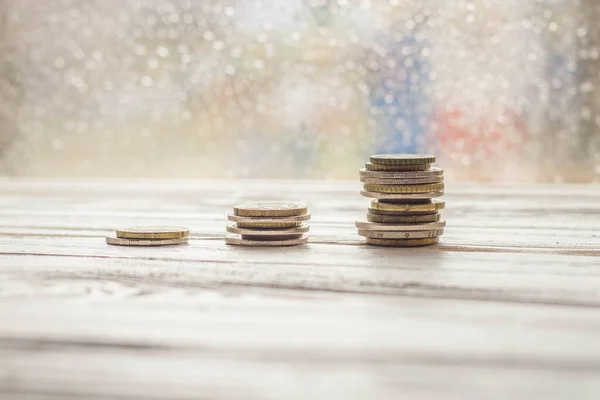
{"x":400,"y":235}
{"x":415,"y":181}
{"x":402,"y":242}
{"x":372,"y":226}
{"x":153,"y":232}
{"x":265,"y":220}
{"x":403,"y":219}
{"x":269,"y":210}
{"x":237,"y":240}
{"x":430,"y":187}
{"x":397,"y":168}
{"x":424,"y":207}
{"x":402,"y":159}
{"x":233,"y":228}
{"x":390,"y":197}
{"x":268,"y":225}
{"x":271,"y":238}
{"x":145,"y":242}
{"x":431,"y":172}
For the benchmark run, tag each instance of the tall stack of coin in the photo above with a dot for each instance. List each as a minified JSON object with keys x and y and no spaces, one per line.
{"x":268,"y":224}
{"x":149,"y":236}
{"x":404,"y":211}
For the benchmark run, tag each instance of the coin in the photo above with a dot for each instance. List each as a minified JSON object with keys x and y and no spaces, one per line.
{"x":396,"y":168}
{"x":402,"y":159}
{"x":400,"y":235}
{"x":401,"y":196}
{"x":271,"y":238}
{"x":233,"y":228}
{"x":430,"y":187}
{"x":431,"y":172}
{"x":237,"y":240}
{"x":267,"y":225}
{"x":269,"y":210}
{"x":153,"y":232}
{"x":372,"y":226}
{"x":412,"y":181}
{"x":433,"y":205}
{"x":402,"y":219}
{"x":402,"y":242}
{"x":145,"y":242}
{"x":265,"y":220}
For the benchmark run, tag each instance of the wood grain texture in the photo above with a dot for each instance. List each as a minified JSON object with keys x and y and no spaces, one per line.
{"x":507,"y":306}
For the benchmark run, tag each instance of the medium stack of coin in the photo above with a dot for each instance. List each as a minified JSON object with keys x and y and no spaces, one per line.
{"x":268,"y":224}
{"x":149,"y":236}
{"x":404,"y":212}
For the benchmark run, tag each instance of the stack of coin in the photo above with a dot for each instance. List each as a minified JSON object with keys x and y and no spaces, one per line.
{"x":268,"y":224}
{"x":149,"y":236}
{"x":404,"y":212}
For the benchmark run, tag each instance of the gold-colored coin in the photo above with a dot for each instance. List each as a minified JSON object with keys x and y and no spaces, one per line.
{"x":403,"y":219}
{"x":145,"y":242}
{"x":429,"y":187}
{"x":268,"y":225}
{"x":269,"y":210}
{"x":402,"y":242}
{"x":400,"y":235}
{"x":402,"y":159}
{"x":153,"y":232}
{"x":408,"y":208}
{"x":233,"y":228}
{"x":415,"y":181}
{"x":267,"y":220}
{"x":372,"y":226}
{"x":240,"y":241}
{"x":271,"y":238}
{"x":396,"y":168}
{"x":429,"y":173}
{"x":402,"y":197}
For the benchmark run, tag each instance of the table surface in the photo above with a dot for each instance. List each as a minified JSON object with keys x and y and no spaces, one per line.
{"x":507,"y":306}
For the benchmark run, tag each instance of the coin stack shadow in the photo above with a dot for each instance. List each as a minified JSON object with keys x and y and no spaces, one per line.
{"x":268,"y":224}
{"x":404,"y":211}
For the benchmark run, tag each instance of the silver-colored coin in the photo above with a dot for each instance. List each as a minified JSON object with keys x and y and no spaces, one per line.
{"x":373,"y":226}
{"x":240,"y":241}
{"x":402,"y":196}
{"x":400,"y":235}
{"x":233,"y":228}
{"x":412,"y":181}
{"x":268,"y":220}
{"x":145,"y":242}
{"x":402,"y":218}
{"x":432,"y":172}
{"x":402,"y":242}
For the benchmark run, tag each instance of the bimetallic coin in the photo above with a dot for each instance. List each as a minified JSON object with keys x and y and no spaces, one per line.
{"x":233,"y":228}
{"x":372,"y":226}
{"x":402,"y":242}
{"x":268,"y":225}
{"x":415,"y":181}
{"x":378,"y":206}
{"x":264,"y":220}
{"x":402,"y":159}
{"x":430,"y":187}
{"x":396,"y":168}
{"x":390,"y":197}
{"x":400,"y":235}
{"x":269,"y":210}
{"x":145,"y":242}
{"x":431,"y":172}
{"x":239,"y":241}
{"x":403,"y":219}
{"x":153,"y":232}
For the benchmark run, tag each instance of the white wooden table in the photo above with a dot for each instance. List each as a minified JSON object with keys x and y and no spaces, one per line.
{"x":507,"y":307}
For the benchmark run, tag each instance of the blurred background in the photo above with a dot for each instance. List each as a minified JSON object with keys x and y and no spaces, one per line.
{"x":499,"y":90}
